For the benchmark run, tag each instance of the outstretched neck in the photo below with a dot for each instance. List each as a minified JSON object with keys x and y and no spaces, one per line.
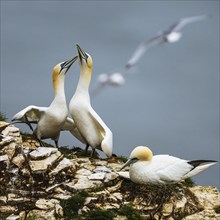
{"x":58,"y":86}
{"x":84,"y":81}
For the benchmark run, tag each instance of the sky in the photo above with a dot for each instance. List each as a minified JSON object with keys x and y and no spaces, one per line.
{"x":170,"y":103}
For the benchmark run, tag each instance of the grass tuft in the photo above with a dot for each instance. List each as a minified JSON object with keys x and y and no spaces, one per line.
{"x":100,"y":214}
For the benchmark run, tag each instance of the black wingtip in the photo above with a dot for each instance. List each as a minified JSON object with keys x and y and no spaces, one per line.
{"x":196,"y":163}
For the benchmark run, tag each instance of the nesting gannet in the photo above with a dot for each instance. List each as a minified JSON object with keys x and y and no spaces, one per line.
{"x":161,"y":169}
{"x":171,"y":35}
{"x":88,"y":122}
{"x":51,"y":120}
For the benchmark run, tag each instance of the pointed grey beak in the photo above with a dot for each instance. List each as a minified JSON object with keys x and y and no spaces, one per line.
{"x":66,"y":65}
{"x":129,"y":161}
{"x":69,"y":63}
{"x":82,"y":54}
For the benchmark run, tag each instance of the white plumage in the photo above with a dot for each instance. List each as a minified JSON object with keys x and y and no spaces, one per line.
{"x":161,"y":169}
{"x":51,"y":120}
{"x":89,"y":124}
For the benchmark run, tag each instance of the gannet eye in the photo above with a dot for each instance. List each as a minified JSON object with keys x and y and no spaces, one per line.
{"x":89,"y":62}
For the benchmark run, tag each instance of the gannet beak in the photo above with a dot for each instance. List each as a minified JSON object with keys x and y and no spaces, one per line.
{"x":66,"y":65}
{"x":129,"y":161}
{"x":82,"y":54}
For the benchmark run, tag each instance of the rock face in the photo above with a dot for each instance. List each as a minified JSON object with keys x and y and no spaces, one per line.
{"x":49,"y":183}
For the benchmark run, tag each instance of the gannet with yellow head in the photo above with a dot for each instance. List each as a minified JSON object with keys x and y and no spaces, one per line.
{"x":88,"y":122}
{"x":161,"y":169}
{"x":50,"y":120}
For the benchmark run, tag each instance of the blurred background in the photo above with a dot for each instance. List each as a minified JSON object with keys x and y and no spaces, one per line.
{"x":171,"y":102}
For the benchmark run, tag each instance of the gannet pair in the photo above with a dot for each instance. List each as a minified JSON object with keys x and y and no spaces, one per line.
{"x":161,"y":169}
{"x":171,"y":35}
{"x":87,"y":126}
{"x":51,"y":120}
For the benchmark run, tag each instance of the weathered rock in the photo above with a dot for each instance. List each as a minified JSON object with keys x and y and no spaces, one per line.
{"x":18,"y":160}
{"x":3,"y":158}
{"x":7,"y":209}
{"x":9,"y":150}
{"x":42,"y":214}
{"x":41,"y":166}
{"x":3,"y":199}
{"x":46,"y":203}
{"x":110,"y":176}
{"x":83,"y":184}
{"x":82,"y":172}
{"x":42,"y":152}
{"x":63,"y":164}
{"x":97,"y":176}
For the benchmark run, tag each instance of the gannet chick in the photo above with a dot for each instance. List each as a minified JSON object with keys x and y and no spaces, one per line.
{"x":161,"y":169}
{"x":171,"y":35}
{"x":88,"y":122}
{"x":50,"y":120}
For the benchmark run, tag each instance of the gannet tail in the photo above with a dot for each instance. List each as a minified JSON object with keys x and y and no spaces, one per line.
{"x":197,"y":167}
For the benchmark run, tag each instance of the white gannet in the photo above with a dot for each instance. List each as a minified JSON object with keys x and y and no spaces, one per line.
{"x":161,"y":169}
{"x":88,"y":122}
{"x":171,"y":35}
{"x":51,"y":120}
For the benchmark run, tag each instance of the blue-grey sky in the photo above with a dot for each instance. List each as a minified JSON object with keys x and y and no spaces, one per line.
{"x":171,"y":104}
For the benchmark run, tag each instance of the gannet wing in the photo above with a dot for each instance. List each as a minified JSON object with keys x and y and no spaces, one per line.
{"x":70,"y":126}
{"x":169,"y":168}
{"x":31,"y":113}
{"x":105,"y":132}
{"x":184,"y":21}
{"x":141,"y":49}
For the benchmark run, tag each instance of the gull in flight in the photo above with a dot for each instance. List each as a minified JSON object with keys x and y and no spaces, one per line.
{"x":51,"y":120}
{"x":171,"y":35}
{"x":161,"y":169}
{"x":89,"y":124}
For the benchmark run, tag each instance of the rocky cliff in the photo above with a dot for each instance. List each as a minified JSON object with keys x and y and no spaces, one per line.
{"x":49,"y":183}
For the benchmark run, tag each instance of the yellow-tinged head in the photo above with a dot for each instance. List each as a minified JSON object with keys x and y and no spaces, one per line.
{"x":85,"y":60}
{"x":140,"y":153}
{"x":60,"y":70}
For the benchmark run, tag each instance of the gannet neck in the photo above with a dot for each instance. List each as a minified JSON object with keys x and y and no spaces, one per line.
{"x":58,"y":79}
{"x":84,"y":80}
{"x":58,"y":86}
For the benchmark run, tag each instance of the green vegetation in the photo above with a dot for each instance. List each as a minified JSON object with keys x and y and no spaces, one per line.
{"x":3,"y":117}
{"x":122,"y":158}
{"x":217,"y":208}
{"x":129,"y":212}
{"x":189,"y":182}
{"x":73,"y":204}
{"x":99,"y":214}
{"x":33,"y":217}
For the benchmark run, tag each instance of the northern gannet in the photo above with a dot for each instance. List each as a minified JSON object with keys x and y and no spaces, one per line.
{"x":88,"y":122}
{"x":171,"y":35}
{"x":161,"y":169}
{"x":51,"y":120}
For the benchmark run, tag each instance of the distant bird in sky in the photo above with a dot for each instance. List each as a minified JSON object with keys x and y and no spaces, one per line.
{"x":92,"y":128}
{"x":171,"y":35}
{"x":161,"y":169}
{"x":50,"y":120}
